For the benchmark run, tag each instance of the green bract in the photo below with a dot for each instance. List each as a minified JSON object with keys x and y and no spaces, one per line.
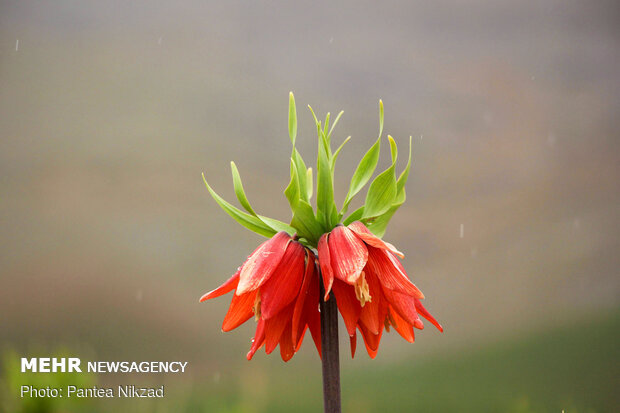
{"x":385,"y":194}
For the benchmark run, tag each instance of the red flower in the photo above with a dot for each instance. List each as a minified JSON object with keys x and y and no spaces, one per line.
{"x":371,"y":286}
{"x":278,"y":285}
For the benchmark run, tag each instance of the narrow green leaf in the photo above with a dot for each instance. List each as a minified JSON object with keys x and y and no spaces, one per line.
{"x":363,"y":173}
{"x":326,"y":126}
{"x":243,"y":200}
{"x":393,"y":149}
{"x":305,"y":223}
{"x":309,"y":183}
{"x":325,"y":188}
{"x":355,"y":216}
{"x":316,"y":121}
{"x":249,"y":221}
{"x":292,"y":118}
{"x":292,"y":191}
{"x":379,"y":224}
{"x":335,"y":156}
{"x":381,"y":194}
{"x":402,"y":179}
{"x":335,"y":123}
{"x":300,"y":167}
{"x":277,"y":225}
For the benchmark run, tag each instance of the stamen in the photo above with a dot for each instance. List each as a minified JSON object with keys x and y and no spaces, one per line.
{"x":362,"y":291}
{"x":256,"y":307}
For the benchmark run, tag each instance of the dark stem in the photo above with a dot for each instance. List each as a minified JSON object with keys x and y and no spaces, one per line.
{"x":330,"y":353}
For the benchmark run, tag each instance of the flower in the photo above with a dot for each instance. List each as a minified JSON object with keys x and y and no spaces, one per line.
{"x":278,"y":284}
{"x":371,"y":286}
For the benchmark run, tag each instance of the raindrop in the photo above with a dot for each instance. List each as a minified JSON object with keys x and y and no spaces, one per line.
{"x":139,"y":295}
{"x":17,"y":45}
{"x":216,"y":377}
{"x":462,"y":230}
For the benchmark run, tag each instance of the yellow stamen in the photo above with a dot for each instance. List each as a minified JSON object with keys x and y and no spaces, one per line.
{"x":256,"y":307}
{"x":361,"y":290}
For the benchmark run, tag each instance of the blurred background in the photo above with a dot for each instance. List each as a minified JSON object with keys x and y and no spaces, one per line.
{"x":110,"y":111}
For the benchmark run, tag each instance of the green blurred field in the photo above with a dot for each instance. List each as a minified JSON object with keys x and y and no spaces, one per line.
{"x":572,"y":369}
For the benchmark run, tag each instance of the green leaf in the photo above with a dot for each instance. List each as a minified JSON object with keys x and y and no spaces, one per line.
{"x":334,"y":124}
{"x":243,"y":200}
{"x":277,"y":225}
{"x":292,"y":118}
{"x":305,"y":223}
{"x":292,"y":190}
{"x":363,"y":173}
{"x":326,"y":126}
{"x":379,"y":224}
{"x":300,"y":167}
{"x":309,"y":184}
{"x":402,"y":179}
{"x":381,"y":194}
{"x":249,"y":221}
{"x":382,"y":190}
{"x":393,"y":149}
{"x":355,"y":216}
{"x":325,"y":188}
{"x":335,"y":156}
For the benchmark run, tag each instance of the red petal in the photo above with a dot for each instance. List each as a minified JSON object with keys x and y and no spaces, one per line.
{"x":275,"y":326}
{"x":325,"y":263}
{"x":240,"y":310}
{"x":311,"y":312}
{"x":301,"y":298}
{"x":258,"y":340}
{"x":348,"y":254}
{"x":228,"y":286}
{"x":404,"y":305}
{"x":314,"y":324}
{"x":353,"y":340}
{"x":301,"y":338}
{"x":371,"y":340}
{"x":262,"y":263}
{"x":427,"y":315}
{"x":348,"y":305}
{"x":391,"y":273}
{"x":401,"y":326}
{"x":283,"y":286}
{"x":287,"y":349}
{"x":372,"y":240}
{"x":371,"y":314}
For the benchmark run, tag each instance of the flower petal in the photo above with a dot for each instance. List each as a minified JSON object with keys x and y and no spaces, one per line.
{"x":283,"y":286}
{"x":309,"y":276}
{"x":353,"y":340}
{"x":262,"y":263}
{"x":228,"y":286}
{"x":371,"y":340}
{"x":348,"y":254}
{"x":373,"y":312}
{"x":348,"y":305}
{"x":404,"y":305}
{"x":401,"y":326}
{"x":371,"y":239}
{"x":240,"y":310}
{"x":275,"y":326}
{"x":326,"y":265}
{"x":258,"y":340}
{"x":391,"y":273}
{"x":420,"y":308}
{"x":287,"y":349}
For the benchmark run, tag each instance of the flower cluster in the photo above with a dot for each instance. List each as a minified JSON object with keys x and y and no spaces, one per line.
{"x":280,"y":282}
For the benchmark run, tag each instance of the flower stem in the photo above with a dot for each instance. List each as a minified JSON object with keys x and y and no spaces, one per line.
{"x":330,"y":353}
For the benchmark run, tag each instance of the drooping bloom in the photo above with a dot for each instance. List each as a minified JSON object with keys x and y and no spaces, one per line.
{"x":278,"y":285}
{"x":371,"y":286}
